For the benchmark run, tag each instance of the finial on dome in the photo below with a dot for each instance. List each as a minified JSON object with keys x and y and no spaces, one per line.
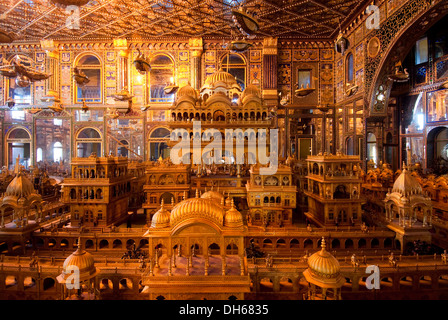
{"x":323,"y":244}
{"x":172,"y":201}
{"x":162,"y":203}
{"x":232,"y":203}
{"x":185,"y":195}
{"x":405,"y":167}
{"x":79,"y":244}
{"x":17,"y":166}
{"x":197,"y":193}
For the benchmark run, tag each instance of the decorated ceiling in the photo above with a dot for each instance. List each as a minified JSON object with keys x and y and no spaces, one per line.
{"x":34,"y":20}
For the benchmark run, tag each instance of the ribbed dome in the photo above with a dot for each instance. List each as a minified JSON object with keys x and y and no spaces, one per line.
{"x":251,"y":90}
{"x":197,"y":208}
{"x":82,"y":260}
{"x":213,"y":195}
{"x":20,"y":186}
{"x":187,"y":91}
{"x":406,"y":184}
{"x":220,"y":78}
{"x":233,"y":217}
{"x":161,"y":219}
{"x":324,"y":269}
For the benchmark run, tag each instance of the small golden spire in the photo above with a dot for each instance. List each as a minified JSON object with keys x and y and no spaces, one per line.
{"x":185,"y":195}
{"x":162,"y":203}
{"x":323,"y":245}
{"x":79,"y":244}
{"x":172,"y":201}
{"x":197,"y":193}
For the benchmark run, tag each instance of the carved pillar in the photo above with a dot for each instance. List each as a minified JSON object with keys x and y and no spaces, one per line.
{"x":156,"y":257}
{"x":169,"y":267}
{"x":174,"y":261}
{"x":206,"y":265}
{"x":270,"y":93}
{"x":52,"y":63}
{"x":121,"y":46}
{"x":223,"y":265}
{"x":187,"y":266}
{"x":196,"y":49}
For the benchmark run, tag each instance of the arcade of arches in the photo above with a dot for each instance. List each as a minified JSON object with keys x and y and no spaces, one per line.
{"x":352,"y":117}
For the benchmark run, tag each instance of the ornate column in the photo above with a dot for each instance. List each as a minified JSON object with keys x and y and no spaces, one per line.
{"x":270,"y":92}
{"x":196,"y":48}
{"x":156,"y":257}
{"x":187,"y":266}
{"x":52,"y":66}
{"x":121,"y":46}
{"x":206,"y":265}
{"x":223,"y":265}
{"x":169,"y":267}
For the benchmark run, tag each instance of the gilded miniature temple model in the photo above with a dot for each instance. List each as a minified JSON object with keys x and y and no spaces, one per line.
{"x":249,"y":150}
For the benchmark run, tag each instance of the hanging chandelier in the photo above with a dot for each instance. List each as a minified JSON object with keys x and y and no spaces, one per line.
{"x":401,"y":74}
{"x":84,"y":107}
{"x":123,"y":95}
{"x":303,"y":91}
{"x":80,"y":77}
{"x":141,"y":63}
{"x":239,"y":46}
{"x":341,"y":43}
{"x":24,"y":74}
{"x":246,"y":23}
{"x":171,"y":88}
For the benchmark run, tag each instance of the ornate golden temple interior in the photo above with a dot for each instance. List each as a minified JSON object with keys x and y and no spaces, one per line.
{"x":348,"y":98}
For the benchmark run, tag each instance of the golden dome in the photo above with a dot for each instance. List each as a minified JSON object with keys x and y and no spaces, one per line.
{"x":20,"y":186}
{"x":197,"y":208}
{"x":161,"y":219}
{"x":324,"y":269}
{"x":214,"y":196}
{"x":406,"y":184}
{"x":187,"y":91}
{"x":80,"y":259}
{"x":251,"y":90}
{"x":221,"y":78}
{"x":233,"y":217}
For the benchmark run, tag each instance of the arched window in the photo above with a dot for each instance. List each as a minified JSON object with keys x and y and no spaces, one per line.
{"x":371,"y":147}
{"x":18,"y":144}
{"x":57,"y":152}
{"x":88,"y":140}
{"x":122,"y":149}
{"x":158,"y":146}
{"x":235,"y":64}
{"x":19,"y":90}
{"x":91,"y":92}
{"x":349,"y":146}
{"x":161,"y":75}
{"x":349,"y":68}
